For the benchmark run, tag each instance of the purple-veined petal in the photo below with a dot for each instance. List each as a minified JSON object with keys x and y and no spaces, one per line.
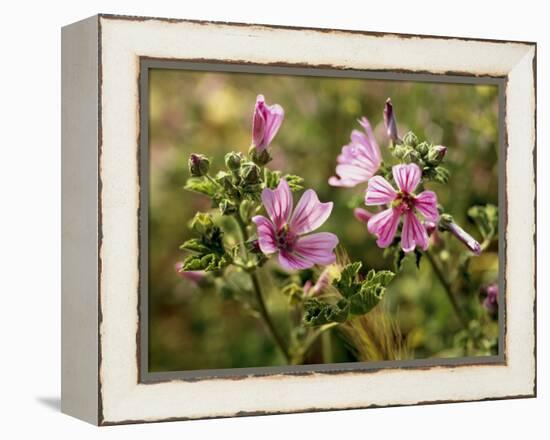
{"x":258,"y":124}
{"x":374,"y":148}
{"x":309,"y":214}
{"x":275,"y":116}
{"x":384,"y":226}
{"x":407,"y":176}
{"x":267,"y":238}
{"x":343,"y":183}
{"x":426,"y":204}
{"x":292,"y":261}
{"x":413,"y":234}
{"x":318,"y":247}
{"x":278,"y":203}
{"x":379,"y":192}
{"x":362,"y":215}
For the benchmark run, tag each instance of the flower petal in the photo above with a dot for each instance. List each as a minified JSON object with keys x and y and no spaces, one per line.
{"x":275,"y":118}
{"x":379,"y":192}
{"x":426,"y":204}
{"x":309,"y":213}
{"x":318,"y":247}
{"x":384,"y":226}
{"x":292,"y":261}
{"x":413,"y":234}
{"x":267,"y":239}
{"x":407,"y":176}
{"x":374,"y":148}
{"x":258,"y":124}
{"x":278,"y":204}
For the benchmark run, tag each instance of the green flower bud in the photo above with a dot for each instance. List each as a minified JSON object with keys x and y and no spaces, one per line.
{"x":233,"y":161}
{"x":225,"y":180}
{"x":260,"y":158}
{"x":410,"y":139}
{"x":399,"y":151}
{"x":422,"y":148}
{"x":411,"y":155}
{"x":202,"y":223}
{"x":250,"y":173}
{"x":436,"y":154}
{"x":198,"y":164}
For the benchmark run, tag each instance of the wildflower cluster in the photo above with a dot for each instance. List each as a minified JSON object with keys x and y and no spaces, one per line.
{"x":266,"y":222}
{"x":254,"y":219}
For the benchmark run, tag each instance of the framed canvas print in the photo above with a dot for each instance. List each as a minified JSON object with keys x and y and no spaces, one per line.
{"x":262,"y":220}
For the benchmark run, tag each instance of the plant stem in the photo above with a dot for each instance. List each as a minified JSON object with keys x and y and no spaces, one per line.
{"x":267,"y":319}
{"x":448,"y":290}
{"x":260,"y":299}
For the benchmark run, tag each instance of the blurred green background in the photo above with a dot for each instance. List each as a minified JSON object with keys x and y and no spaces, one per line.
{"x":211,"y":113}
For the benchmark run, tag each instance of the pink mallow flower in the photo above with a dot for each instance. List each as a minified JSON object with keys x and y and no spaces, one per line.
{"x":284,"y":231}
{"x":403,"y":203}
{"x":359,"y":160}
{"x":266,"y":122}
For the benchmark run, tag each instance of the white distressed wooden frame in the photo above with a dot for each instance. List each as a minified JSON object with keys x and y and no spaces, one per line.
{"x":100,"y":135}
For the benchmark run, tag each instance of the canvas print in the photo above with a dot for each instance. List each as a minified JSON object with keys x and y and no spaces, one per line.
{"x":304,"y":220}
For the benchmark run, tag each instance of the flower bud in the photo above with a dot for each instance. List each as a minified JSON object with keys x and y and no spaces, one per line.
{"x":198,"y":165}
{"x":436,"y":154}
{"x":225,"y":180}
{"x":447,"y":223}
{"x":233,"y":161}
{"x":390,"y":122}
{"x":491,"y":298}
{"x":260,"y":157}
{"x":250,"y":173}
{"x":266,"y":122}
{"x":410,"y":139}
{"x":422,"y":148}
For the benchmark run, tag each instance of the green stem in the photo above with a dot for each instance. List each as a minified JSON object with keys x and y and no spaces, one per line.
{"x":448,"y":290}
{"x":260,"y":299}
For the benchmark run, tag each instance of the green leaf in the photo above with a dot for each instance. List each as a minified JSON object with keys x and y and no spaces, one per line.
{"x":195,"y":245}
{"x":201,"y":185}
{"x":359,"y":296}
{"x":208,"y":263}
{"x":320,"y":313}
{"x":486,"y":220}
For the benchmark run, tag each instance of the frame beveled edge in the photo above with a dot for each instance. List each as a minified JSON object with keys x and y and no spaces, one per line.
{"x":102,"y":420}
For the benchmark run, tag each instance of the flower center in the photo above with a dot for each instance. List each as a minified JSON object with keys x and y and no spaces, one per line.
{"x":404,"y":200}
{"x":286,"y":239}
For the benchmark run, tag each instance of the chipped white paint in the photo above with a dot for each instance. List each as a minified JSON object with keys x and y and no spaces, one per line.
{"x":123,"y":398}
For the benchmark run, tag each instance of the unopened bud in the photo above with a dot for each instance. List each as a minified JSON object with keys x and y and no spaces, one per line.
{"x":447,"y":223}
{"x":250,"y":173}
{"x":233,"y":161}
{"x":390,"y":122}
{"x":436,"y":154}
{"x":198,"y":164}
{"x":410,"y":139}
